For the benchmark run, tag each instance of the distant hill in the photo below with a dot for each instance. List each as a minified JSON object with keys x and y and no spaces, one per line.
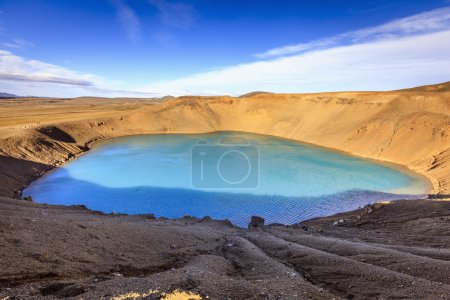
{"x":6,"y":95}
{"x":167,"y":98}
{"x":253,"y":94}
{"x":440,"y":87}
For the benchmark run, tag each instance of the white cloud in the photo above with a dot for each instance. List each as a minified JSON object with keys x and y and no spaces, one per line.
{"x":16,"y":68}
{"x":18,"y":44}
{"x":32,"y":77}
{"x":427,"y":22}
{"x":128,"y":19}
{"x":376,"y":65}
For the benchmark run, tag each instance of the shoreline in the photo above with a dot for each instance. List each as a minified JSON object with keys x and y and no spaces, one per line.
{"x":397,"y":167}
{"x":187,"y":116}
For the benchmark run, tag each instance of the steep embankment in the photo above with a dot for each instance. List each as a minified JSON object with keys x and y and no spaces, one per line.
{"x":410,"y":128}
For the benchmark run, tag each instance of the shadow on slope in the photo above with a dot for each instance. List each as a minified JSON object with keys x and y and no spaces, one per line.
{"x":57,"y":134}
{"x":15,"y":171}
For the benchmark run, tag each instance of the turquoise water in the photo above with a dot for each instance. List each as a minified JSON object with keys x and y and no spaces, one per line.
{"x":223,"y":175}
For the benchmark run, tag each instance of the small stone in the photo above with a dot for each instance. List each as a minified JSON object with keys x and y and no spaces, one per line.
{"x":300,"y":226}
{"x":226,"y":222}
{"x":149,"y":216}
{"x":206,"y":219}
{"x":28,"y":198}
{"x":368,"y":209}
{"x":256,"y":222}
{"x":292,"y":274}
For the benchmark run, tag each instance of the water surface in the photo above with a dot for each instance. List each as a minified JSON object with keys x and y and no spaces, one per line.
{"x":287,"y":182}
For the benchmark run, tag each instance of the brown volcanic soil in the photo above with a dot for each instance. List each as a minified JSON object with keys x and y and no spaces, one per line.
{"x":397,"y":250}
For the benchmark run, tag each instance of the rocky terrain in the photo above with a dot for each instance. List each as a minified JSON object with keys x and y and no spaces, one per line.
{"x":385,"y":251}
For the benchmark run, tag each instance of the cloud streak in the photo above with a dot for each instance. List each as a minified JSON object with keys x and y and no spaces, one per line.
{"x":17,"y":68}
{"x":33,"y":77}
{"x":173,"y":14}
{"x":18,"y":44}
{"x":427,"y":22}
{"x":44,"y":78}
{"x":129,"y":20}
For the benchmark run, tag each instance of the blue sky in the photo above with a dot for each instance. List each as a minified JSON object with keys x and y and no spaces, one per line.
{"x":157,"y":47}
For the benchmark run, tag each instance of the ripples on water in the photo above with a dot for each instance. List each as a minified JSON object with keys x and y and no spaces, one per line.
{"x":153,"y":174}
